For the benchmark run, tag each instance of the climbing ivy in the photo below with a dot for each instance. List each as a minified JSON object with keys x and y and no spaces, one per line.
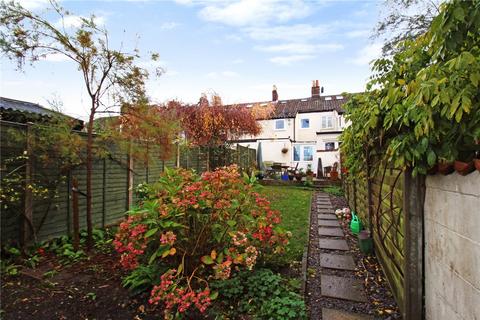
{"x":422,"y":105}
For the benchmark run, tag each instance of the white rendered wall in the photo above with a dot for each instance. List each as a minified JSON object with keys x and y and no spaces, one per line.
{"x":452,"y":247}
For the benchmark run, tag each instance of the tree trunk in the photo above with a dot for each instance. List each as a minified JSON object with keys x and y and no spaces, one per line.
{"x":89,"y":176}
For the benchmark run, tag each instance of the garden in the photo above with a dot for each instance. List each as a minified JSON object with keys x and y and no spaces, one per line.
{"x":195,"y":246}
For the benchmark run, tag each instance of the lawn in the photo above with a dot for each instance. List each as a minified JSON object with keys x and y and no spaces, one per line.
{"x":294,"y":204}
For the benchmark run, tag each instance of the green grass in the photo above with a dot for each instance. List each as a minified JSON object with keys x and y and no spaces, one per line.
{"x":294,"y":204}
{"x":335,"y":190}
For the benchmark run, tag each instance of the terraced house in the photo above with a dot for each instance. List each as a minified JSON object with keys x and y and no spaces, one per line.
{"x":301,"y":131}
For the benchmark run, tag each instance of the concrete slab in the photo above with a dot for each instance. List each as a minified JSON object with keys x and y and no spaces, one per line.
{"x":337,"y":261}
{"x":332,"y":232}
{"x":328,"y":223}
{"x":331,"y":314}
{"x":325,"y":209}
{"x":343,"y":288}
{"x":333,"y":244}
{"x":327,"y":216}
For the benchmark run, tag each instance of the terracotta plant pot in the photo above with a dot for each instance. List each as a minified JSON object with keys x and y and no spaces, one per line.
{"x":464,"y":168}
{"x":477,"y":163}
{"x":445,"y":167}
{"x":433,"y":170}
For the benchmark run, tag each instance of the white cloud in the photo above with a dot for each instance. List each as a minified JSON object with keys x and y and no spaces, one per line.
{"x":223,"y":74}
{"x":184,"y":2}
{"x":169,"y":25}
{"x":288,"y":60}
{"x":361,"y":33}
{"x":287,"y":33}
{"x":301,"y":48}
{"x":367,"y":54}
{"x":253,"y":12}
{"x":238,"y":61}
{"x":73,"y":21}
{"x":234,"y":37}
{"x":33,"y":4}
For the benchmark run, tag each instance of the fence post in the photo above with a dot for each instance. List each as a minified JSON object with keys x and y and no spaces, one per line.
{"x":27,"y":221}
{"x":413,"y":202}
{"x":130,"y":181}
{"x":355,"y":195}
{"x":104,"y":192}
{"x":76,"y":219}
{"x":177,"y":156}
{"x":369,"y":193}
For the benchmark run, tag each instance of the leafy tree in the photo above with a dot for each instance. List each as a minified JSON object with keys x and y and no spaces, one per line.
{"x":423,"y":103}
{"x":143,"y":128}
{"x":404,"y":20}
{"x":107,"y":73}
{"x":212,"y":124}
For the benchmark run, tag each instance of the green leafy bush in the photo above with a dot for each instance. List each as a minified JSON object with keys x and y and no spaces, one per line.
{"x":261,"y":294}
{"x":196,"y":228}
{"x":422,"y":105}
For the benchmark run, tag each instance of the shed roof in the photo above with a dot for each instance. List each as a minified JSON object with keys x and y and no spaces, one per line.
{"x":24,"y":106}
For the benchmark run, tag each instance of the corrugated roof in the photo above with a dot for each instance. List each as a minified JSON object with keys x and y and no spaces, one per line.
{"x":289,"y":108}
{"x":24,"y":106}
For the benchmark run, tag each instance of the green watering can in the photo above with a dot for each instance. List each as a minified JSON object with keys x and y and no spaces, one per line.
{"x":355,"y":224}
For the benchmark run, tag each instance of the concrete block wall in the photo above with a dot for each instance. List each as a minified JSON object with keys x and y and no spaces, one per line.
{"x":452,"y":247}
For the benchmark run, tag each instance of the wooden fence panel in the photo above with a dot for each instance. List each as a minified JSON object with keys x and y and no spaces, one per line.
{"x":388,"y":228}
{"x":110,"y":184}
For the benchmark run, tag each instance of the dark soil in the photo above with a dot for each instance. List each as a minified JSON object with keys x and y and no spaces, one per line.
{"x":88,"y":289}
{"x":380,"y":303}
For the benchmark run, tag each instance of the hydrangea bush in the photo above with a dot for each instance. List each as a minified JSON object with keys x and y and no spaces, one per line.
{"x":198,"y":228}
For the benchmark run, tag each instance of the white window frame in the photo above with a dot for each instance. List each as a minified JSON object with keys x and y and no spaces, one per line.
{"x":301,"y":123}
{"x":302,"y":152}
{"x":275,"y":125}
{"x":326,"y":118}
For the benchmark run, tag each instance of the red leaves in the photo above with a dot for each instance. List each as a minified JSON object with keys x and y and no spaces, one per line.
{"x":214,"y":124}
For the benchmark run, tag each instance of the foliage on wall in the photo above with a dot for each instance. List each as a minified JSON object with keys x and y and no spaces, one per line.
{"x":422,"y":105}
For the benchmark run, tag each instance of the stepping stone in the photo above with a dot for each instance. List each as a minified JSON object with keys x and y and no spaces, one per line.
{"x":327,"y":216}
{"x":337,"y":261}
{"x":328,"y":223}
{"x":324,"y":205}
{"x":331,"y":314}
{"x":343,"y":288}
{"x":334,"y":244}
{"x":332,"y":232}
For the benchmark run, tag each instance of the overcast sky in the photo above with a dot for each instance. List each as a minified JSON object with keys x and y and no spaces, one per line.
{"x":238,"y":49}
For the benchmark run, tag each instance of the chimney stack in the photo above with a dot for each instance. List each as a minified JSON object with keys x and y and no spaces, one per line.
{"x":274,"y":93}
{"x":315,"y":89}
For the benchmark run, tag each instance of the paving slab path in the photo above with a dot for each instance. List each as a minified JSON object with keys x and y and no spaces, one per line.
{"x":336,"y":265}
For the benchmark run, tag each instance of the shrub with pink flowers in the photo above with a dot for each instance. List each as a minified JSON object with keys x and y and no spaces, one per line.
{"x":198,"y":228}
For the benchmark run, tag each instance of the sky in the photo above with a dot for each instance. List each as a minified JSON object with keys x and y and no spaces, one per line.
{"x":238,"y":49}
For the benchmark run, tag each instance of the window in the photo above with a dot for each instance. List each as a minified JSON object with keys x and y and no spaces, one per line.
{"x":280,"y":124}
{"x":327,"y":122}
{"x":302,"y":153}
{"x":305,"y":123}
{"x":296,"y":153}
{"x":329,"y":146}
{"x":307,"y":153}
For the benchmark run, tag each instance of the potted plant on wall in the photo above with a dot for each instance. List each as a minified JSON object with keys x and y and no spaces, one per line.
{"x":464,"y":164}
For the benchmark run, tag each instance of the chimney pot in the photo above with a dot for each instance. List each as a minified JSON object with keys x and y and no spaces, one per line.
{"x":315,"y":89}
{"x":274,"y":93}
